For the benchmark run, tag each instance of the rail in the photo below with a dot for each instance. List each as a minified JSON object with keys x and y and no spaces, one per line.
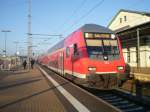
{"x":123,"y":101}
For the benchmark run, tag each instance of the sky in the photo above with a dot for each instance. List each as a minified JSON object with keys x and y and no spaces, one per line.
{"x":55,"y":17}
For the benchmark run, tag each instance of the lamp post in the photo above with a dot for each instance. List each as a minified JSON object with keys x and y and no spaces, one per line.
{"x":5,"y":31}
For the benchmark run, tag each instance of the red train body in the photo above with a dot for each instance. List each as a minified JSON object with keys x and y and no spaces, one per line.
{"x":91,"y":56}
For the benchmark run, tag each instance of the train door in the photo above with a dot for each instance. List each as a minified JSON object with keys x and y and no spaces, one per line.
{"x":74,"y":57}
{"x":62,"y":63}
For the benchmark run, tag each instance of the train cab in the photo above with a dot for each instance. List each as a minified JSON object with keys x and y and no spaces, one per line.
{"x":95,"y":55}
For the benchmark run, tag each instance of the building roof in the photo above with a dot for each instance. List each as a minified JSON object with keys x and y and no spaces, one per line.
{"x":130,"y":11}
{"x":95,"y":28}
{"x":138,"y":12}
{"x":140,"y":26}
{"x":59,"y":45}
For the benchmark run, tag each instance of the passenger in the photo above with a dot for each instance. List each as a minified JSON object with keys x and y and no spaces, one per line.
{"x":24,"y":64}
{"x":32,"y":63}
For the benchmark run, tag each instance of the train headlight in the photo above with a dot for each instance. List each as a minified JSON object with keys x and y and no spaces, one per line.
{"x":120,"y":67}
{"x":92,"y":68}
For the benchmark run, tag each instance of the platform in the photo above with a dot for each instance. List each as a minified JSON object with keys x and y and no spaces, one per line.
{"x":27,"y":91}
{"x":41,"y":90}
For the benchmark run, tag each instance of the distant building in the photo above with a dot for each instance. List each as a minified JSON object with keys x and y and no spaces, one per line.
{"x":10,"y":62}
{"x":133,"y":28}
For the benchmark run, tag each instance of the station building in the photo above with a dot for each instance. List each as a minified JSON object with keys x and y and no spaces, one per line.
{"x":133,"y":29}
{"x":11,"y":62}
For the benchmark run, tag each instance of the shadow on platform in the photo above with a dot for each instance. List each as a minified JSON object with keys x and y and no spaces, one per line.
{"x":19,"y":83}
{"x":32,"y":95}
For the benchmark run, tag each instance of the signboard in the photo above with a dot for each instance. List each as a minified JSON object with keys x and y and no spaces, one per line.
{"x":97,"y":35}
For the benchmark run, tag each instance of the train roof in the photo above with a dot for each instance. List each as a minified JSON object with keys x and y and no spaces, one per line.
{"x":95,"y":28}
{"x":92,"y":28}
{"x":57,"y":46}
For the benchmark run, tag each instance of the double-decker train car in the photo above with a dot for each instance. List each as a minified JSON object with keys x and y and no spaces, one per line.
{"x":90,"y":56}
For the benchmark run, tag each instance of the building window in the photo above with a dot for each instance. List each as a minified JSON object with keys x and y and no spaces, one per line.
{"x":120,"y":20}
{"x":125,"y":18}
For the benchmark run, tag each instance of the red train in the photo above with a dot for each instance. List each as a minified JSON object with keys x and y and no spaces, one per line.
{"x":90,"y":56}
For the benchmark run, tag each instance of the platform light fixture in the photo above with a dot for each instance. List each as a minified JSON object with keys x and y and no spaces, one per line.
{"x":5,"y":32}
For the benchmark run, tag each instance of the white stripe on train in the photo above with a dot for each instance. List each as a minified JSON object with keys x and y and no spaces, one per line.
{"x":79,"y":75}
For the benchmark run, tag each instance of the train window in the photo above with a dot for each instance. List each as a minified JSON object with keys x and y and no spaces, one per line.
{"x":94,"y":42}
{"x":106,"y":42}
{"x":98,"y":48}
{"x":67,"y":52}
{"x":110,"y":42}
{"x":113,"y":42}
{"x":75,"y":48}
{"x":111,"y":46}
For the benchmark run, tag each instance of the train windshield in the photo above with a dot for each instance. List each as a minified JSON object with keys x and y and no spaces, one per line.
{"x":102,"y":48}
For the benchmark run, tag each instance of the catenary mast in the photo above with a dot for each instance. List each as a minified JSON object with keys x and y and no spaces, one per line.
{"x":29,"y":34}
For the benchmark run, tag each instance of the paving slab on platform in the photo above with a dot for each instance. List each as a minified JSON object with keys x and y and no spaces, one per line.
{"x":27,"y":91}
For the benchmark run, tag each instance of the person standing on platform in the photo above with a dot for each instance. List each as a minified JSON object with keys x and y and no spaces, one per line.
{"x":32,"y":63}
{"x":24,"y":64}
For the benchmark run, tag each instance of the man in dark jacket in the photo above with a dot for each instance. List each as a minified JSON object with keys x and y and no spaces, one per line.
{"x":32,"y":63}
{"x":24,"y":64}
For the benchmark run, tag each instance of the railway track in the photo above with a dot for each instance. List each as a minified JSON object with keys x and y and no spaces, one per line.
{"x":123,"y":101}
{"x":119,"y":99}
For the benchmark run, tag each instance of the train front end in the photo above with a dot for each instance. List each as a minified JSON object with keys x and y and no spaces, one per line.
{"x":105,"y":63}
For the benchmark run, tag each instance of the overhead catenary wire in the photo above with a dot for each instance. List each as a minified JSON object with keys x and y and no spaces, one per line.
{"x":59,"y":35}
{"x":86,"y":14}
{"x":73,"y":14}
